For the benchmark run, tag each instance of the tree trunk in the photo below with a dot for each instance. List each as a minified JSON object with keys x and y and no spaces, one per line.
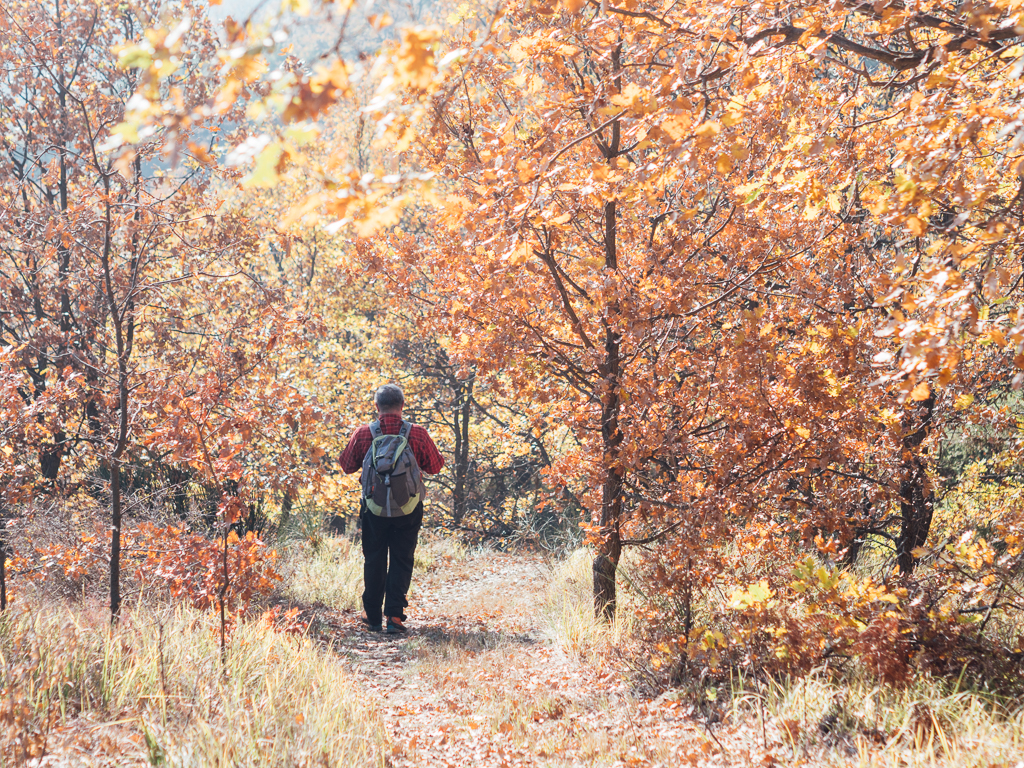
{"x":116,"y":507}
{"x":917,"y":497}
{"x":224,"y":597}
{"x":123,"y":322}
{"x":50,"y":457}
{"x":3,"y":559}
{"x":610,"y":544}
{"x":178,"y":479}
{"x":115,"y":538}
{"x":460,"y":468}
{"x":286,"y":510}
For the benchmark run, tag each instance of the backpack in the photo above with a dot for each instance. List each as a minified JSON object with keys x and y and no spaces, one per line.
{"x":392,"y":481}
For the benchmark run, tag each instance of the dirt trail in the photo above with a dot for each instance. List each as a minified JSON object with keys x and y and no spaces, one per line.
{"x":477,"y":682}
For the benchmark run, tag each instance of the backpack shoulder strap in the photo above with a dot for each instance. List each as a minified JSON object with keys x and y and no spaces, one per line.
{"x":405,"y":429}
{"x":375,"y":429}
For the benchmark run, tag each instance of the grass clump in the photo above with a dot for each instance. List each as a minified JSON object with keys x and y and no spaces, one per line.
{"x":568,"y":616}
{"x":329,"y":573}
{"x":925,"y":723}
{"x":154,"y":689}
{"x":435,"y":550}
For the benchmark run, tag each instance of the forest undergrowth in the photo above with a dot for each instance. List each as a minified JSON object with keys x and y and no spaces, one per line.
{"x":505,"y":665}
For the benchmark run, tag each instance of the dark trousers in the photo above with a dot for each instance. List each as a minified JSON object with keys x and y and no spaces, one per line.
{"x":387,"y":538}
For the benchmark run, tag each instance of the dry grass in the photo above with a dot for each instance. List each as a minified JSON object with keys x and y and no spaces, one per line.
{"x":154,"y":690}
{"x":567,"y":612}
{"x":157,"y":692}
{"x":329,"y":573}
{"x":435,"y":550}
{"x":858,"y":723}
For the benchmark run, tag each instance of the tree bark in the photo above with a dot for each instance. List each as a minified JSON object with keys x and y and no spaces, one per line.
{"x":123,"y":347}
{"x":286,"y":510}
{"x":460,"y":468}
{"x":609,"y":547}
{"x":610,"y":543}
{"x":3,"y":557}
{"x":50,"y":456}
{"x":917,"y":497}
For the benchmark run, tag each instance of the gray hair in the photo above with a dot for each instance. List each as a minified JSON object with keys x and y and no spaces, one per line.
{"x":389,"y":398}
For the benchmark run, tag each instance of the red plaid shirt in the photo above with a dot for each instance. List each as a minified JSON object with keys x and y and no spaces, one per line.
{"x":423,"y":448}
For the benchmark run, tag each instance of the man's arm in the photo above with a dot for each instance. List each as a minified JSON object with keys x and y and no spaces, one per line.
{"x":351,"y":459}
{"x":427,"y":456}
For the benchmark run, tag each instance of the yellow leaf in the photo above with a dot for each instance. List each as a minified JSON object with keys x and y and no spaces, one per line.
{"x":729,"y":119}
{"x":904,"y":183}
{"x":302,"y":134}
{"x":724,"y":164}
{"x":963,"y":401}
{"x":414,"y":62}
{"x":803,"y":432}
{"x":634,"y":97}
{"x":676,"y":126}
{"x":708,"y":130}
{"x":301,"y":208}
{"x":921,"y":391}
{"x":916,"y":225}
{"x":996,"y":336}
{"x":629,"y":93}
{"x":132,"y":56}
{"x":749,"y":192}
{"x":267,"y":170}
{"x":378,"y":217}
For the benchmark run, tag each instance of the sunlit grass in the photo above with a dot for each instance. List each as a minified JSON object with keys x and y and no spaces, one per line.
{"x":435,"y":550}
{"x":274,"y":700}
{"x":330,"y":573}
{"x":827,"y":721}
{"x":567,"y":613}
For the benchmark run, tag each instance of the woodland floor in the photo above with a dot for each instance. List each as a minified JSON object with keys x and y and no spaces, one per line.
{"x":498,"y":669}
{"x":479,"y":681}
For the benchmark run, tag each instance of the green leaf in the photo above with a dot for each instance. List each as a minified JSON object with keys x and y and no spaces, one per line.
{"x":265,"y":174}
{"x":135,"y":57}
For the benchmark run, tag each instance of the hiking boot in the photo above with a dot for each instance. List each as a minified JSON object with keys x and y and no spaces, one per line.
{"x":372,"y":626}
{"x":395,"y":626}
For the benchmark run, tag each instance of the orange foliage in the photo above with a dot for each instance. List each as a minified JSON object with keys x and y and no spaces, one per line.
{"x":180,"y":565}
{"x":754,"y":259}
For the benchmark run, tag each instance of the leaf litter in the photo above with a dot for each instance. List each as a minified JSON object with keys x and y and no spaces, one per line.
{"x":479,"y":680}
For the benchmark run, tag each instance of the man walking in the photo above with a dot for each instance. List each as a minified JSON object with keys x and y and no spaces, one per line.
{"x":388,"y":531}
